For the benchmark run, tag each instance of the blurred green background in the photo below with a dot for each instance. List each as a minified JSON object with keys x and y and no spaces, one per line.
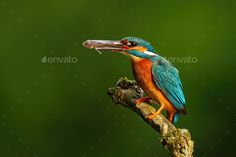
{"x":61,"y":109}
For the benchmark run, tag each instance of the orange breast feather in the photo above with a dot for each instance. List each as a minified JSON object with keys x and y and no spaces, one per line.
{"x":142,"y":70}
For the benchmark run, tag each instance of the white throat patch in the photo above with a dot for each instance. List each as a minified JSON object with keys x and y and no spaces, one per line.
{"x":150,"y":53}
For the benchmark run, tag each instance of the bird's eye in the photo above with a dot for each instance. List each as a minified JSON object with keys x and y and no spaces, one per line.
{"x":129,"y":43}
{"x":132,"y":43}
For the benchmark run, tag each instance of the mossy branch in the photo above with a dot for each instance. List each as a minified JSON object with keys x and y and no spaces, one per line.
{"x":177,"y":141}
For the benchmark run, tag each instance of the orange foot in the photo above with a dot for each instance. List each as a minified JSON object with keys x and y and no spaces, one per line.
{"x":151,"y":117}
{"x":140,"y":100}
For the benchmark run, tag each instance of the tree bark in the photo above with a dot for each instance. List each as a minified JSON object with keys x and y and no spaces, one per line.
{"x":177,"y":141}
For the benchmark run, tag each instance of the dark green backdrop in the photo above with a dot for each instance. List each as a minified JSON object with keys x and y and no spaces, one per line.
{"x":61,"y":109}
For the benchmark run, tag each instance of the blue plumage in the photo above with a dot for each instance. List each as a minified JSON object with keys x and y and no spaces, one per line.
{"x":167,"y":79}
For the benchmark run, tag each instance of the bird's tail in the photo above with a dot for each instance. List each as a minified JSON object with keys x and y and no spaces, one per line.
{"x":176,"y":117}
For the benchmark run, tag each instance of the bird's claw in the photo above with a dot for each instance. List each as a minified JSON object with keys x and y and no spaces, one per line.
{"x":140,"y":100}
{"x":152,"y":116}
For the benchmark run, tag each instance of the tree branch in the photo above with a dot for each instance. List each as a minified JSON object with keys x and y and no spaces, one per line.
{"x":177,"y":141}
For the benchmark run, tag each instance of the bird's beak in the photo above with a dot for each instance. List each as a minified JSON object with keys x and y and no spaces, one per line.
{"x":111,"y":45}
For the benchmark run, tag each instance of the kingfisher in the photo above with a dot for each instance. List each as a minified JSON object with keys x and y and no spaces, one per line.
{"x":158,"y":78}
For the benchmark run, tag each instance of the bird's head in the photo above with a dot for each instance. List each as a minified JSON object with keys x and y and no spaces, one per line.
{"x":131,"y":46}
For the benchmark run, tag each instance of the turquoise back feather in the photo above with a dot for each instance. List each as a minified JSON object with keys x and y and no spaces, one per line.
{"x":167,"y":79}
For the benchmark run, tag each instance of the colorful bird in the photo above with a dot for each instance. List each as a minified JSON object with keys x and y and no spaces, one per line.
{"x":154,"y":74}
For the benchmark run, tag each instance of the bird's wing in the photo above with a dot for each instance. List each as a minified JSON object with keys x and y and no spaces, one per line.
{"x":166,"y":77}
